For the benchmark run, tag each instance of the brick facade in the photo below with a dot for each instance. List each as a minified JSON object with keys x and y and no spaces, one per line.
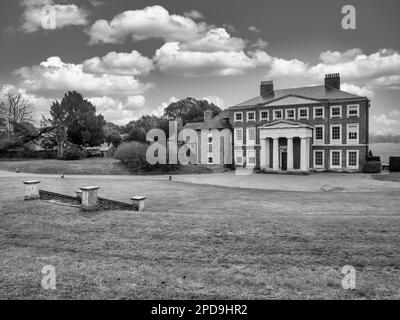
{"x":335,"y":114}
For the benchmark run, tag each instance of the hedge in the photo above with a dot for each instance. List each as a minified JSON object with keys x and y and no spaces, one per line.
{"x":394,"y":164}
{"x":372,"y":167}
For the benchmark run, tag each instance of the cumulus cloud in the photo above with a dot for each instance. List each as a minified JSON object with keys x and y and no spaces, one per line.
{"x":334,"y":57}
{"x":120,"y":111}
{"x":360,"y":91}
{"x":171,"y":58}
{"x":65,"y":14}
{"x":150,"y":22}
{"x":194,"y":14}
{"x":54,"y":74}
{"x":119,"y":63}
{"x":388,"y":82}
{"x":215,"y":40}
{"x":254,"y":29}
{"x":260,"y":44}
{"x":378,"y":69}
{"x":386,"y":124}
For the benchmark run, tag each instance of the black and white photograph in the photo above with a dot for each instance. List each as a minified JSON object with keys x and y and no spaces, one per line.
{"x":213,"y":151}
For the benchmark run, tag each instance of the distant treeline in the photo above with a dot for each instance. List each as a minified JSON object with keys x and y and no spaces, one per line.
{"x":384,"y":139}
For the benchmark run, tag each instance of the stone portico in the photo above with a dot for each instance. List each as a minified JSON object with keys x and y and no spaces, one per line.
{"x":285,"y":146}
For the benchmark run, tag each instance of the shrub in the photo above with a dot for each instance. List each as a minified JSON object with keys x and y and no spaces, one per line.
{"x":372,"y":167}
{"x":394,"y":164}
{"x":132,"y":154}
{"x":72,"y":154}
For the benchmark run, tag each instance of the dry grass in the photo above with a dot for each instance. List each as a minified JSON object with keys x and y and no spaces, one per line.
{"x":392,"y":176}
{"x":90,"y":166}
{"x":201,"y":242}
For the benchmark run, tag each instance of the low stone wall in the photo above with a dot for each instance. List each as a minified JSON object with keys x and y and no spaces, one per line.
{"x":103,"y":203}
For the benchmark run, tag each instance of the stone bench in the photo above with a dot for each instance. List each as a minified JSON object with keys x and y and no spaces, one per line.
{"x":138,"y":202}
{"x":32,"y":190}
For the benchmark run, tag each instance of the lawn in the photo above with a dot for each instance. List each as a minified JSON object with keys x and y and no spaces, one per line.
{"x":197,"y":241}
{"x":391,"y":176}
{"x":89,"y":166}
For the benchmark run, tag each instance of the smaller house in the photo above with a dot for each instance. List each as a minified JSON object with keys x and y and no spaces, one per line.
{"x":107,"y":150}
{"x":213,"y":145}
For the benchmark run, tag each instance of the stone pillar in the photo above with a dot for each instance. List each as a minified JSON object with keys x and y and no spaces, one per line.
{"x":32,"y":189}
{"x":89,"y":197}
{"x":303,"y":154}
{"x":275,"y":154}
{"x":267,"y":154}
{"x":289,"y":154}
{"x":138,"y":202}
{"x":79,"y":194}
{"x":263,"y":154}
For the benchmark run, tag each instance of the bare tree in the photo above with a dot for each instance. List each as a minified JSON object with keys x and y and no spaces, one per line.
{"x":14,"y":109}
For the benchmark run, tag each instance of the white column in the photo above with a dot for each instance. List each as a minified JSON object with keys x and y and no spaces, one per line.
{"x":289,"y":154}
{"x":303,"y":154}
{"x":275,"y":154}
{"x":267,"y":155}
{"x":263,"y":154}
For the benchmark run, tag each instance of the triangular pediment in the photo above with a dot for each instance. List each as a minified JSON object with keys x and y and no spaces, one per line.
{"x":290,"y":100}
{"x":280,"y":124}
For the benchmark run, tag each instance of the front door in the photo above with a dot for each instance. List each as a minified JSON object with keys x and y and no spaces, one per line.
{"x":284,"y":161}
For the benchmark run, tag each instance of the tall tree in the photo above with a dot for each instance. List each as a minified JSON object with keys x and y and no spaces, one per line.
{"x":190,"y":110}
{"x":75,"y":120}
{"x":14,"y":110}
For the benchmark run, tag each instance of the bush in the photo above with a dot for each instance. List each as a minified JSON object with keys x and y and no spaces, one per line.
{"x":394,"y":164}
{"x":72,"y":154}
{"x":132,"y":154}
{"x":372,"y":167}
{"x":374,"y":158}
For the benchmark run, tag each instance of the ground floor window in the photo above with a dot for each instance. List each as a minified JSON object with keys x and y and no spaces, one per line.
{"x":352,"y":159}
{"x":336,"y":158}
{"x":251,"y":158}
{"x":210,"y":160}
{"x":318,"y":158}
{"x":239,"y":157}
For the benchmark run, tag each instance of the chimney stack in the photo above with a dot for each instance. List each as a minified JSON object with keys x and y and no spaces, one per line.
{"x":207,"y":115}
{"x":266,"y":86}
{"x":332,"y":80}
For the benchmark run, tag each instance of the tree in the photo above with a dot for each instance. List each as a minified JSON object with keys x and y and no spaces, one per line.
{"x":75,"y":121}
{"x":113,"y":137}
{"x":190,"y":110}
{"x":138,"y":129}
{"x":14,"y":110}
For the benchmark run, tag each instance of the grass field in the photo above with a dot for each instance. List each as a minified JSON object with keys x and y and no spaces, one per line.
{"x":101,"y":166}
{"x":197,"y":241}
{"x":392,"y":176}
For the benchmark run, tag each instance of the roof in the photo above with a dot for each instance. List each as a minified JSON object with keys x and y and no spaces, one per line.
{"x":316,"y":93}
{"x":218,"y":122}
{"x":211,"y":124}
